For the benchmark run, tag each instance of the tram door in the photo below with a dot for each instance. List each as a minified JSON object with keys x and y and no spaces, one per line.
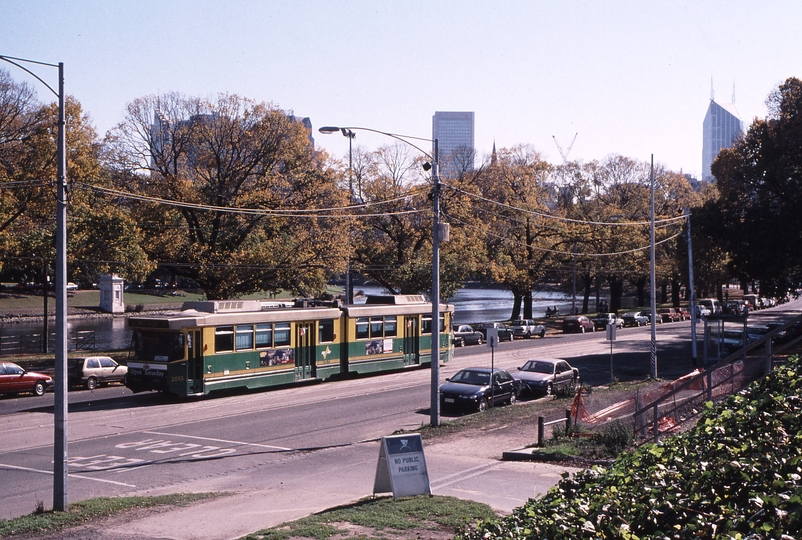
{"x":194,"y":362}
{"x":305,"y":351}
{"x":411,"y":341}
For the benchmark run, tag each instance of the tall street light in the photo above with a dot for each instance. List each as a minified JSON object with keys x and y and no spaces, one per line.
{"x":349,"y":284}
{"x":60,"y":376}
{"x":434,"y":408}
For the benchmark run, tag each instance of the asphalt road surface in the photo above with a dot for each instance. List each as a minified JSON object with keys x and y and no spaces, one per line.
{"x":305,"y":447}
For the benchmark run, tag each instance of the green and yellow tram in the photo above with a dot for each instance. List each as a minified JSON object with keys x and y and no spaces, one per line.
{"x":222,"y":344}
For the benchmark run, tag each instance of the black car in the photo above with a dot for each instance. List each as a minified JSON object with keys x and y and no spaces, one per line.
{"x":464,"y":334}
{"x":470,"y":389}
{"x":547,"y":376}
{"x":635,"y":318}
{"x":504,"y":333}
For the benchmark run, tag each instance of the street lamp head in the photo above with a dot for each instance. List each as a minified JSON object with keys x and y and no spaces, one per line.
{"x":328,"y":130}
{"x":426,"y":166}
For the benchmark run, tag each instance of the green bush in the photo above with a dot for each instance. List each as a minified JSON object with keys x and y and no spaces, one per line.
{"x":616,"y":437}
{"x":737,"y":474}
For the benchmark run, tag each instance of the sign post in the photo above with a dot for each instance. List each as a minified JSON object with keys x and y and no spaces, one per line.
{"x":611,"y":338}
{"x":402,"y":467}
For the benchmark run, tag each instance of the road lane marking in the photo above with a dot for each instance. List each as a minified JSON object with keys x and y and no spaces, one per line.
{"x":72,"y":475}
{"x":239,"y":443}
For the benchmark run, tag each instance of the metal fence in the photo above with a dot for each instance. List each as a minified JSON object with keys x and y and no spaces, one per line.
{"x":672,"y":407}
{"x":83,"y":340}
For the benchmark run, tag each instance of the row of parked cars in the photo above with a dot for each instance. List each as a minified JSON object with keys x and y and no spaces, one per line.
{"x":88,"y":372}
{"x":465,"y":334}
{"x":477,"y":388}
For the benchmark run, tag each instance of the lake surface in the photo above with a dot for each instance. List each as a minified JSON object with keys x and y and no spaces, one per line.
{"x":471,"y":305}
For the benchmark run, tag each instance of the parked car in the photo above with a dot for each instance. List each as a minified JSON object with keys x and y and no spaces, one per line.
{"x":702,"y":311}
{"x":547,"y":376}
{"x":464,"y":334}
{"x":648,"y":314}
{"x":94,"y":370}
{"x":578,"y":323}
{"x":635,"y":318}
{"x":668,"y":314}
{"x":15,"y":379}
{"x":471,"y":389}
{"x":504,"y":333}
{"x":71,"y":286}
{"x":603,"y":319}
{"x":526,"y":328}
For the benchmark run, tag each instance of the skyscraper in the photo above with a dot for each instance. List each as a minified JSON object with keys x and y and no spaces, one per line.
{"x":454,"y":132}
{"x":721,"y":128}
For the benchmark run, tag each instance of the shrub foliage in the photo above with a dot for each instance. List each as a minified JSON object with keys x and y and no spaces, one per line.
{"x":736,"y":475}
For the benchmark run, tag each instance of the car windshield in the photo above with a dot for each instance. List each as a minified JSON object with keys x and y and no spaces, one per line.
{"x":518,"y":323}
{"x":471,"y":377}
{"x":539,"y":367}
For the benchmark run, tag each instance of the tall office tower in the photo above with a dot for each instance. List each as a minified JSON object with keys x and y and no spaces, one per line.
{"x":722,"y":127}
{"x":454,"y":134}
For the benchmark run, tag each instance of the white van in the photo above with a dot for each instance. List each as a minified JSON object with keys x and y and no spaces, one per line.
{"x":711,"y":304}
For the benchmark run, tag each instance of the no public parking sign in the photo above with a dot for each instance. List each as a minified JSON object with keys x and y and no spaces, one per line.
{"x":402,"y":467}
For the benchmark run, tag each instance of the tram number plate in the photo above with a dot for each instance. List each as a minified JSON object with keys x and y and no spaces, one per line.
{"x":449,"y":400}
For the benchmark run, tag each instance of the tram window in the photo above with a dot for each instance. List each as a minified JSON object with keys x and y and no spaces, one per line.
{"x":326,"y":331}
{"x":224,"y":339}
{"x":362,"y":328}
{"x":264,"y":335}
{"x":391,"y":326}
{"x":377,"y":327}
{"x":426,"y":326}
{"x":244,"y":337}
{"x":442,"y":323}
{"x":282,"y":334}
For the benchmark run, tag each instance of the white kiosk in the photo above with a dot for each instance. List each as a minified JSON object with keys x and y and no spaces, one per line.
{"x":111,"y":294}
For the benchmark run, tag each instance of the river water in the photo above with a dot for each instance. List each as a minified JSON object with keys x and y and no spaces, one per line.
{"x":471,"y":305}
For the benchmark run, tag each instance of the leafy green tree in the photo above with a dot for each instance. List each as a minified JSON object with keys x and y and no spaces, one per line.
{"x":760,"y":185}
{"x":521,"y":232}
{"x":236,"y":194}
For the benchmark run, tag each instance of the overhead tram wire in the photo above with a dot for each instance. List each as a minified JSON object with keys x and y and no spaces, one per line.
{"x":558,"y":252}
{"x":309,"y":213}
{"x":560,"y":218}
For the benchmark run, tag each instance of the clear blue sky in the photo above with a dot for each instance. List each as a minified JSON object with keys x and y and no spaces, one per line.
{"x":630,"y":77}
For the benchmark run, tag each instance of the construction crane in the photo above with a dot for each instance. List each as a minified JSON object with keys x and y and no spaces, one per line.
{"x":565,"y":153}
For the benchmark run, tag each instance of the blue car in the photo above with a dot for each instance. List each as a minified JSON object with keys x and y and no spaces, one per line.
{"x":471,"y":389}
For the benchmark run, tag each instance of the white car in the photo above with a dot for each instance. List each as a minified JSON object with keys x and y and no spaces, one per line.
{"x":72,"y":286}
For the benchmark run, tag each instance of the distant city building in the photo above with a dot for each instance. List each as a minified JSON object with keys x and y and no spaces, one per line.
{"x":160,"y":131}
{"x":722,"y":127}
{"x":454,"y":134}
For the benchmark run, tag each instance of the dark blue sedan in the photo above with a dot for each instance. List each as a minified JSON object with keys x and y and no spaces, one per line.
{"x":471,"y":389}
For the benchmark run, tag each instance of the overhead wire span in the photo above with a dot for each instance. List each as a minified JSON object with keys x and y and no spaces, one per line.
{"x":559,"y":252}
{"x":560,"y":218}
{"x":309,"y":213}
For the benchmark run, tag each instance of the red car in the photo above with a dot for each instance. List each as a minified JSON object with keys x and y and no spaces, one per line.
{"x":669,"y":314}
{"x":14,"y":379}
{"x":578,"y":323}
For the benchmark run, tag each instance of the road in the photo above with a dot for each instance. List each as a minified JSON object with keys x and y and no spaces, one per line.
{"x":293,"y":445}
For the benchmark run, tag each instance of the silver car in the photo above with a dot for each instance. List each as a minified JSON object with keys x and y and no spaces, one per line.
{"x":547,"y":376}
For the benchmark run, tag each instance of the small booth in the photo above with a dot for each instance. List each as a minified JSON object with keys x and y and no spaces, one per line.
{"x":111,"y":294}
{"x":724,"y":334}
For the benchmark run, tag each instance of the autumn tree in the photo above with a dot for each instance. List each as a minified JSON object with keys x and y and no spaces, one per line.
{"x":521,"y":232}
{"x":760,"y":184}
{"x":237,"y":198}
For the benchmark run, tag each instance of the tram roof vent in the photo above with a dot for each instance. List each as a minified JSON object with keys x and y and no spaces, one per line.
{"x":223,"y":306}
{"x":396,"y":299}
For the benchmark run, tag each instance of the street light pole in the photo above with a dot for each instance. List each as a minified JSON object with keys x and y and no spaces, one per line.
{"x":60,"y":484}
{"x":434,"y":408}
{"x":652,"y":280}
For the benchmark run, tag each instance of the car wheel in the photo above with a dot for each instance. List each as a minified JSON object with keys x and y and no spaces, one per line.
{"x":550,"y":389}
{"x":39,"y":388}
{"x":542,"y":333}
{"x":513,"y":398}
{"x":91,"y":383}
{"x":479,"y":341}
{"x":572,"y":386}
{"x":528,"y":335}
{"x":483,"y":405}
{"x":582,"y":329}
{"x":460,"y":342}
